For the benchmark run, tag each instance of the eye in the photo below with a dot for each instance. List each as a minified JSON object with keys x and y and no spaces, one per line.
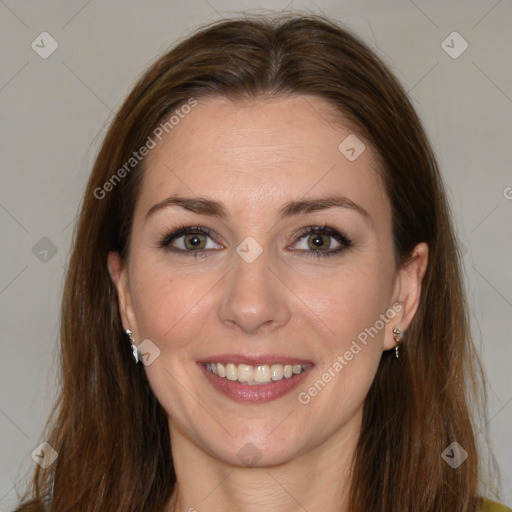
{"x":316,"y":241}
{"x":192,"y":239}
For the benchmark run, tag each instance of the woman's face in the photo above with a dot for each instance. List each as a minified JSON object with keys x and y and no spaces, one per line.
{"x":261,"y":285}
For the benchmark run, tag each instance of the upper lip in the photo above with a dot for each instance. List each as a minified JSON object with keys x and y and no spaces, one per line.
{"x":254,"y":360}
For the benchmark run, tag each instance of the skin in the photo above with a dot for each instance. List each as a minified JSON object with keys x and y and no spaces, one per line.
{"x":254,"y":156}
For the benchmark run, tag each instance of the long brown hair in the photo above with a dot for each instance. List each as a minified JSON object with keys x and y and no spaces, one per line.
{"x":110,"y":432}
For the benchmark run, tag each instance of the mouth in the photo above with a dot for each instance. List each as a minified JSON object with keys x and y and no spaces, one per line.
{"x":255,"y":374}
{"x":236,"y":378}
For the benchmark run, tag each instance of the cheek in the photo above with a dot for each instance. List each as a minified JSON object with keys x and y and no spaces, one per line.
{"x":349,"y":303}
{"x":334,"y":305}
{"x":351,"y":309}
{"x":166,"y":305}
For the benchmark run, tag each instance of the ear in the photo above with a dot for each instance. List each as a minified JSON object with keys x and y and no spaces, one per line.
{"x":119,"y":275}
{"x":407,"y":292}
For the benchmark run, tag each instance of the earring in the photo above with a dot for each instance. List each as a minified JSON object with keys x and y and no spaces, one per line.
{"x":397,"y":337}
{"x":134,"y":348}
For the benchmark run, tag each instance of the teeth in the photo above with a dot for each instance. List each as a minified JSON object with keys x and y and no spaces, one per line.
{"x":231,"y":373}
{"x":296,"y":368}
{"x":277,"y":371}
{"x":245,"y":373}
{"x":261,"y":374}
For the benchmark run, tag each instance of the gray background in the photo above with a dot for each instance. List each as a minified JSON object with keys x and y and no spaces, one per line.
{"x":56,"y":110}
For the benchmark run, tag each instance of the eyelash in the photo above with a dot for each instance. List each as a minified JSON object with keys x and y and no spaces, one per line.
{"x":340,"y":237}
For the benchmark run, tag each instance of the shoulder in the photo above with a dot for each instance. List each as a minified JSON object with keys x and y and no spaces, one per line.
{"x":491,"y":506}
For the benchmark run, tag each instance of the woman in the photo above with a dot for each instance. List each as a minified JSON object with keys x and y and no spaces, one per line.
{"x":264,"y":308}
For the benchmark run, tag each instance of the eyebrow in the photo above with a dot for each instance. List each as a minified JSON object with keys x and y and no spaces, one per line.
{"x":210,"y":207}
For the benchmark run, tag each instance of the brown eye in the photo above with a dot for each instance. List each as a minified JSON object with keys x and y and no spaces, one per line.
{"x":318,"y":242}
{"x":192,"y":239}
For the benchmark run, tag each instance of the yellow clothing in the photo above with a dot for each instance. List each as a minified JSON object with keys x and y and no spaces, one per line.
{"x":490,"y":506}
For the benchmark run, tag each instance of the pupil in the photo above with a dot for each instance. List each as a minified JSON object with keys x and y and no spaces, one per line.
{"x":317,"y":240}
{"x":195,"y":241}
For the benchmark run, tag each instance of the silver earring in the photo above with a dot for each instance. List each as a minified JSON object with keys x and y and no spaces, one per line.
{"x":397,"y":337}
{"x":134,"y":348}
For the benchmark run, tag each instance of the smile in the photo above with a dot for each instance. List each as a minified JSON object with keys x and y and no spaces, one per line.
{"x":254,"y":375}
{"x":257,"y":383}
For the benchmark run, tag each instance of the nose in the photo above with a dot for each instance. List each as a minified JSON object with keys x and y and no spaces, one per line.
{"x":254,"y":299}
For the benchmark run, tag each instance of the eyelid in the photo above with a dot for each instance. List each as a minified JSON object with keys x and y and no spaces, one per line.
{"x":342,"y":239}
{"x":335,"y":233}
{"x":184,"y":230}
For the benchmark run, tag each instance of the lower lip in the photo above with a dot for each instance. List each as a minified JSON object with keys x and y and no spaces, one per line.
{"x":254,"y":393}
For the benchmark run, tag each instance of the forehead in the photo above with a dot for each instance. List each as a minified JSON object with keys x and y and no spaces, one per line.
{"x":256,"y":154}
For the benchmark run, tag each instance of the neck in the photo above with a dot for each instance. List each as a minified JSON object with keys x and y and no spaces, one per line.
{"x":316,"y":479}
